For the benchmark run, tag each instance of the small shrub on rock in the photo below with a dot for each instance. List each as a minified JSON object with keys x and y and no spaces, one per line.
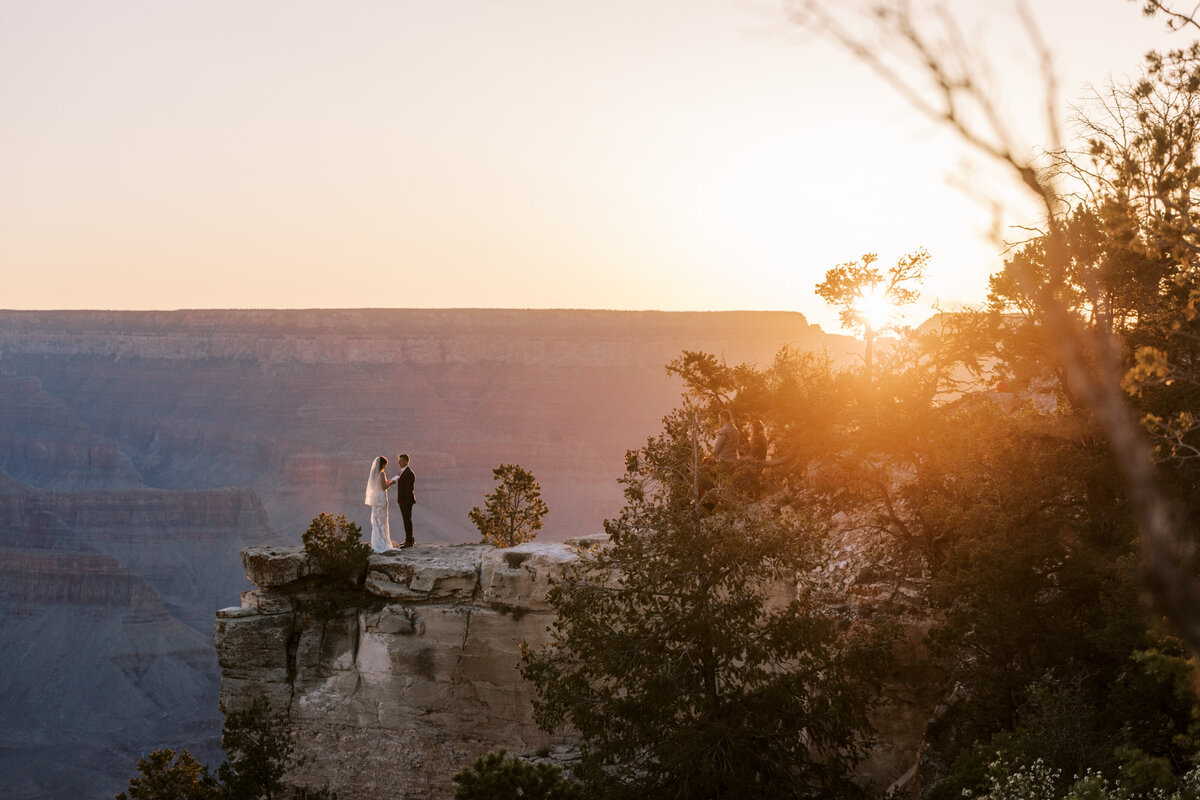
{"x":336,"y":547}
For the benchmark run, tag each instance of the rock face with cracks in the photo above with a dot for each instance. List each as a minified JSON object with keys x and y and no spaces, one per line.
{"x":392,"y":698}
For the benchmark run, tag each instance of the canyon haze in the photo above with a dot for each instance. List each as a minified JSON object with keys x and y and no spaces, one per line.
{"x":141,"y":451}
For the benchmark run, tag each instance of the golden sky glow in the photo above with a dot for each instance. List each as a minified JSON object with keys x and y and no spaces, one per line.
{"x":668,"y":154}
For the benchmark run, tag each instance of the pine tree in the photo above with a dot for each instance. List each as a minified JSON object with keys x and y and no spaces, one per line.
{"x":690,"y":655}
{"x":513,"y":512}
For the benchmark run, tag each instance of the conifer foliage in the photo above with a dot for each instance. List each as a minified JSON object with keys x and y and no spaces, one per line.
{"x":167,"y":775}
{"x":689,"y":654}
{"x":259,"y":752}
{"x":513,"y":512}
{"x":335,"y":545}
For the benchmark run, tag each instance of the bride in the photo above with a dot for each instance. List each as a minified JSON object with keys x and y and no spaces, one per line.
{"x":376,"y":497}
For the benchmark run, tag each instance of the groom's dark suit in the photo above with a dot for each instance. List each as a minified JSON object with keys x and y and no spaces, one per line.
{"x":405,"y":498}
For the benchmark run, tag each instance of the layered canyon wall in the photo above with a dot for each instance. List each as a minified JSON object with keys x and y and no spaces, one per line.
{"x":141,"y":451}
{"x":295,"y":404}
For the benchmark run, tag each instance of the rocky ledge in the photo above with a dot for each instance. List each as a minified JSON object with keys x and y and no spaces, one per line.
{"x":391,"y":694}
{"x":393,"y":698}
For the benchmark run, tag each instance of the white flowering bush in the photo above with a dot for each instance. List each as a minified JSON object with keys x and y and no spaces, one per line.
{"x":1037,"y":781}
{"x":1008,"y":782}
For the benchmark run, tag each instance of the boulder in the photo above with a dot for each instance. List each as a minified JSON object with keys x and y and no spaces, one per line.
{"x":269,"y":567}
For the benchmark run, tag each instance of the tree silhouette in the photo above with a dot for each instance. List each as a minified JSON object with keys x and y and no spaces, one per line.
{"x":855,"y":286}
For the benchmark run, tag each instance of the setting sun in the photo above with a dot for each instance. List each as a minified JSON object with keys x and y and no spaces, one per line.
{"x":875,"y":307}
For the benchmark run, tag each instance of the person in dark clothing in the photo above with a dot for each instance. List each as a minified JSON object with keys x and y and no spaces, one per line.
{"x":405,"y":497}
{"x":758,"y":441}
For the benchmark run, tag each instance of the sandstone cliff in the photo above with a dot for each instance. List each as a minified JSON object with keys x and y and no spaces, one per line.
{"x":392,"y":699}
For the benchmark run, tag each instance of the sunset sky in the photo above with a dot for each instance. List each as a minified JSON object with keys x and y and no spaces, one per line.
{"x":638,"y":154}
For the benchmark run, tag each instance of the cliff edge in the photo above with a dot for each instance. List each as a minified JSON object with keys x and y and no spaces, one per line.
{"x":392,"y":699}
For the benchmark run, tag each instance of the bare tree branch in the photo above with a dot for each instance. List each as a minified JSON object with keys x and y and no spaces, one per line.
{"x":1176,"y":20}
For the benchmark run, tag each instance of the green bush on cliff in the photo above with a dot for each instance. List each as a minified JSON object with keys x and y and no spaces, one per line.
{"x":335,"y":545}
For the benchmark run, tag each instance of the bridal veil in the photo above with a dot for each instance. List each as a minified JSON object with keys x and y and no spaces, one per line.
{"x":374,"y":491}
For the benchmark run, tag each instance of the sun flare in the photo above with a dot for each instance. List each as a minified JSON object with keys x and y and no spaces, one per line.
{"x":875,"y":307}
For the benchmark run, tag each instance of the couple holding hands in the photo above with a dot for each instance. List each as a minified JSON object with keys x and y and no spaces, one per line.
{"x":377,"y":498}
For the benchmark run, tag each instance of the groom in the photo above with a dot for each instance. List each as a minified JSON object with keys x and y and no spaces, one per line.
{"x":405,"y":497}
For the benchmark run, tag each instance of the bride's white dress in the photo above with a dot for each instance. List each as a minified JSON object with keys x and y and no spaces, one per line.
{"x":381,"y":537}
{"x":376,"y":497}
